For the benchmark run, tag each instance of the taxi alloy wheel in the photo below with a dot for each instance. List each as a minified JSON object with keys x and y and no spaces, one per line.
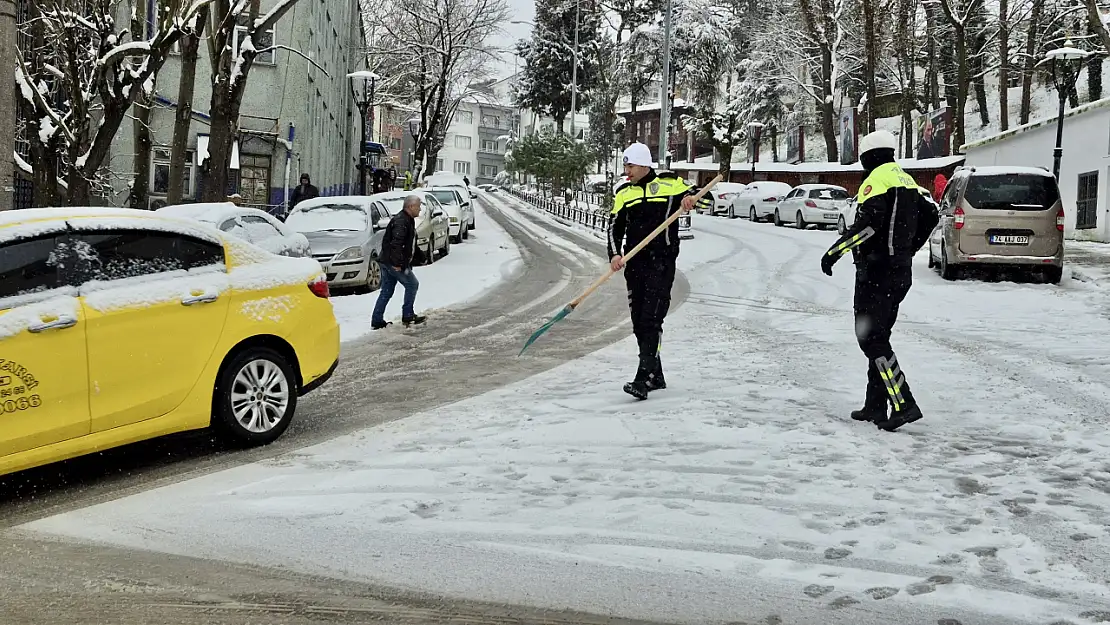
{"x":257,"y":396}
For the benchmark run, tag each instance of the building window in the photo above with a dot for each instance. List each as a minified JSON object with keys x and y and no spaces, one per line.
{"x":491,"y":121}
{"x":462,"y":167}
{"x":1086,"y":201}
{"x":461,"y":142}
{"x":263,"y":41}
{"x":465,"y":117}
{"x":439,"y":164}
{"x":489,"y":146}
{"x":489,"y":171}
{"x":395,"y":143}
{"x":160,"y":174}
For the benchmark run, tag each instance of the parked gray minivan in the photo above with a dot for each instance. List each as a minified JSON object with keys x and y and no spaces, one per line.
{"x":1008,"y":216}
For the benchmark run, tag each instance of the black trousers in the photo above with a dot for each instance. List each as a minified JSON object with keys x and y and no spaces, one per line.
{"x":649,"y":277}
{"x":880,"y":289}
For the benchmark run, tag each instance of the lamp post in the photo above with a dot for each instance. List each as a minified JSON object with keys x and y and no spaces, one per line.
{"x":753,"y":129}
{"x":1065,"y":63}
{"x":414,"y":130}
{"x":363,"y":105}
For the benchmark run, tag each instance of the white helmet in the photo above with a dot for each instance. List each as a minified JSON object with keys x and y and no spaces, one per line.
{"x":878,"y":140}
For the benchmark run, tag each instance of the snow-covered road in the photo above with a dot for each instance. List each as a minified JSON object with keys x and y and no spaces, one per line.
{"x":743,"y":492}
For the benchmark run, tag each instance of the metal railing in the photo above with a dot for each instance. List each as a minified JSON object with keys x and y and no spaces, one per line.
{"x":582,"y":208}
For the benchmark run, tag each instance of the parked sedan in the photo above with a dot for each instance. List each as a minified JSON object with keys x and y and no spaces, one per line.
{"x":760,"y":199}
{"x":345,"y":234}
{"x":250,"y":224}
{"x":847,"y":215}
{"x":432,"y":226}
{"x":459,"y":213}
{"x":723,"y":194}
{"x":812,"y":204}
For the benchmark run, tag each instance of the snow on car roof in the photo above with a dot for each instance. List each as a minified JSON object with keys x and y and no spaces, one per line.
{"x":354,"y":200}
{"x":999,"y":170}
{"x":32,"y":221}
{"x":813,"y":185}
{"x":213,"y":212}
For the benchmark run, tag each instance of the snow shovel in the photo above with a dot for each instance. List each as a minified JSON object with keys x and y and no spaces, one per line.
{"x":609,"y":274}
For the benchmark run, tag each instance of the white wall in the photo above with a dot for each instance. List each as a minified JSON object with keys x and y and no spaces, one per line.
{"x":1086,"y":146}
{"x":461,"y":127}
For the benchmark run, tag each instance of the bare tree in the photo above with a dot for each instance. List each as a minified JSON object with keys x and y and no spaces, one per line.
{"x":1031,"y":47}
{"x":183,"y":117}
{"x":437,"y":49}
{"x":77,"y":82}
{"x":958,"y":13}
{"x":231,"y":65}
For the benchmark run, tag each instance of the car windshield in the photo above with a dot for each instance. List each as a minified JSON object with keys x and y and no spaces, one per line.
{"x":445,"y":196}
{"x":329,"y":218}
{"x":828,"y":194}
{"x":1028,"y":192}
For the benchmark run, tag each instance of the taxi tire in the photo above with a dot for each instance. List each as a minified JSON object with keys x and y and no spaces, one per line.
{"x":223,"y":417}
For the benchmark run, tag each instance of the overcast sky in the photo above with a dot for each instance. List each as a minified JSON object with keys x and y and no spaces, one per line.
{"x":519,"y":10}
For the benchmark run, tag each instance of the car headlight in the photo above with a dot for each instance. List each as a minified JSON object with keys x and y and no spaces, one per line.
{"x":351,"y":253}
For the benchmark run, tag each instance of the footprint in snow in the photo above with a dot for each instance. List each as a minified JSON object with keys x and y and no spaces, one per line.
{"x":843,"y":602}
{"x":882,"y":592}
{"x":837,"y":553}
{"x":816,"y":590}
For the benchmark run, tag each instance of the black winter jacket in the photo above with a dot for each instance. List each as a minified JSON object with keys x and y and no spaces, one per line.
{"x":399,"y":241}
{"x":639,"y":208}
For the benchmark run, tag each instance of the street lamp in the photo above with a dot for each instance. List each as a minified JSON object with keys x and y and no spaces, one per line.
{"x":1065,"y":63}
{"x":414,"y":130}
{"x":363,"y":105}
{"x":753,"y":130}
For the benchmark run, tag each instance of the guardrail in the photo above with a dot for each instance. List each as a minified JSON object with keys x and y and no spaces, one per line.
{"x":585,"y":211}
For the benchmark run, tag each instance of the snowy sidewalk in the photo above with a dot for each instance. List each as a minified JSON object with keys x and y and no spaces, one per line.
{"x":472,"y":268}
{"x":741,"y":493}
{"x":1089,"y":261}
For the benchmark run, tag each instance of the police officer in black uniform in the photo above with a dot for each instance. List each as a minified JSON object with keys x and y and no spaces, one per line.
{"x":640,"y":205}
{"x":893,"y":221}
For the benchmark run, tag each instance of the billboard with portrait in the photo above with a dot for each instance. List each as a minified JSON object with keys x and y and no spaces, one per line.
{"x":848,"y":136}
{"x":934,"y":133}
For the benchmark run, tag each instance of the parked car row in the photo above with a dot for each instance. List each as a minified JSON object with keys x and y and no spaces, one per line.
{"x":344,"y":233}
{"x":1003,"y":216}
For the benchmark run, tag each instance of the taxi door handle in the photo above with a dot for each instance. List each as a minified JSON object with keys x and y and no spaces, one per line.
{"x":207,"y":298}
{"x":56,"y":324}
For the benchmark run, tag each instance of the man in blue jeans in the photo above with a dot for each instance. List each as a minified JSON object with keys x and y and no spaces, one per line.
{"x":398,"y":245}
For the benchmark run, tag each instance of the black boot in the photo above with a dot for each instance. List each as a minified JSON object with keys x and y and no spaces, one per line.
{"x":639,"y":387}
{"x":875,"y":402}
{"x":415,"y":320}
{"x":904,"y":408}
{"x":656,"y":381}
{"x":900,"y":418}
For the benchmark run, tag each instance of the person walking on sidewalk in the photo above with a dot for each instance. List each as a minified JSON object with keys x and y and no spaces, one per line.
{"x":640,"y":205}
{"x":398,"y":245}
{"x":894,"y":220}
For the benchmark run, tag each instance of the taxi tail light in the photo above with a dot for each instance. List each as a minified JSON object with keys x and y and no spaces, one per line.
{"x":319,"y":287}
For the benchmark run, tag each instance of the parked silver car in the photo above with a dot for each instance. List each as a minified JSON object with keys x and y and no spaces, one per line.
{"x":433,"y":233}
{"x":250,"y":224}
{"x":345,"y":235}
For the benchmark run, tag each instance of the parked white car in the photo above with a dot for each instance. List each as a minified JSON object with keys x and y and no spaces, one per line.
{"x":807,"y":204}
{"x":447,"y":179}
{"x":250,"y":224}
{"x":432,"y":228}
{"x":723,"y":193}
{"x":760,"y":199}
{"x":847,"y":215}
{"x":460,"y":214}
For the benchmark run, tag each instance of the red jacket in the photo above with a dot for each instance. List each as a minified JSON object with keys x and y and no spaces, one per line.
{"x":939,"y":183}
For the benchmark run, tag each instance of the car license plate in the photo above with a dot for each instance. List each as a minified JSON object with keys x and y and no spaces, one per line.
{"x":1009,"y":239}
{"x":831,"y":215}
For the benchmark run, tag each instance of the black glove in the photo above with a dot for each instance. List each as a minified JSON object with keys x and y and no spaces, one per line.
{"x":827,"y":262}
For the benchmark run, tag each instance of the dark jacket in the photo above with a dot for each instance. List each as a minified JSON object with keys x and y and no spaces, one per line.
{"x":302,"y":193}
{"x":639,"y":208}
{"x":399,"y":241}
{"x":894,"y":219}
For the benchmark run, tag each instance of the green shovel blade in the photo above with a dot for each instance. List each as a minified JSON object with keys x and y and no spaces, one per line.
{"x":547,"y":326}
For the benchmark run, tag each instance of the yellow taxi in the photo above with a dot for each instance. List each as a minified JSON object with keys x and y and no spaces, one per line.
{"x":121,"y":325}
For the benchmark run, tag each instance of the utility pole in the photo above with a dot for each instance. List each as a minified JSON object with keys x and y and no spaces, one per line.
{"x":665,"y":95}
{"x":574,"y":75}
{"x":7,"y":104}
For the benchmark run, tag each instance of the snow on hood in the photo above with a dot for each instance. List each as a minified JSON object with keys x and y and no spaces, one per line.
{"x":334,"y":242}
{"x":16,"y":320}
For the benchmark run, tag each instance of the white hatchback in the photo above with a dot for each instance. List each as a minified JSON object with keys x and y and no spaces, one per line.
{"x":819,"y":204}
{"x":723,"y":193}
{"x":760,"y":199}
{"x":250,"y":224}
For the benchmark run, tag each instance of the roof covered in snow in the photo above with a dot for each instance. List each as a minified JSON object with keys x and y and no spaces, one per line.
{"x":678,"y":102}
{"x":909,"y":164}
{"x":1001,"y":170}
{"x":1089,"y":107}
